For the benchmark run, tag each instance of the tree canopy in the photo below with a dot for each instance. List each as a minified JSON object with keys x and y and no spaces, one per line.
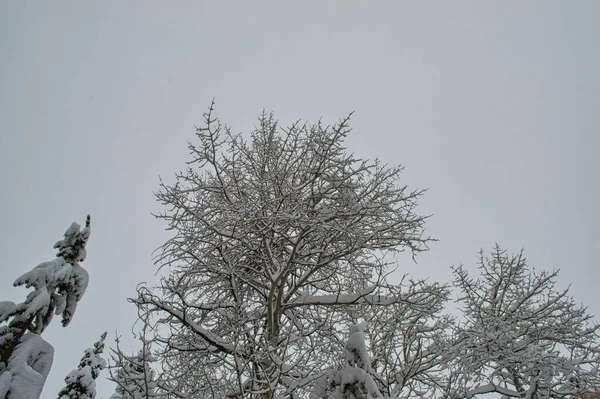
{"x":275,"y":239}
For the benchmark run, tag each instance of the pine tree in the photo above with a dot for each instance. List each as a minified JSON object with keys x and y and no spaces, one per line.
{"x":59,"y":284}
{"x":356,"y":379}
{"x":80,"y":383}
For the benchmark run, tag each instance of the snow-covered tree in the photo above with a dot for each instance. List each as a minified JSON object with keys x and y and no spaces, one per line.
{"x":134,"y":375}
{"x":521,"y":337}
{"x":407,"y":341}
{"x":81,"y":382}
{"x":27,"y":369}
{"x":274,"y":240}
{"x":25,"y":358}
{"x":356,"y":378}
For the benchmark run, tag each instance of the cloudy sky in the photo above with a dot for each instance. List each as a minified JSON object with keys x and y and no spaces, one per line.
{"x":493,"y":106}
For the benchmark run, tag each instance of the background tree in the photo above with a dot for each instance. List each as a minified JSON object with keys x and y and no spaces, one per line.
{"x":274,"y":240}
{"x":407,"y":341}
{"x":81,"y":382}
{"x":356,"y":379}
{"x":521,"y":337}
{"x":134,"y":375}
{"x":25,"y":358}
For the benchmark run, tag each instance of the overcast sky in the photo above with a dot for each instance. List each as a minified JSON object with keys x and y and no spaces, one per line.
{"x":493,"y":106}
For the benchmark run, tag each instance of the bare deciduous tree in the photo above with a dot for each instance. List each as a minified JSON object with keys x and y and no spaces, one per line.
{"x":274,"y":240}
{"x":133,"y":374}
{"x":406,"y":344}
{"x":407,"y":341}
{"x":521,"y":337}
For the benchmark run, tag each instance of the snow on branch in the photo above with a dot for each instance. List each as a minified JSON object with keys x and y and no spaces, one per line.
{"x":269,"y":233}
{"x":81,"y":382}
{"x":26,"y":371}
{"x":134,"y":375}
{"x":522,"y":333}
{"x":58,"y":285}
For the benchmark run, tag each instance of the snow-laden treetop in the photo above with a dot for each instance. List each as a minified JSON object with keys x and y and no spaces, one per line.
{"x":25,"y":358}
{"x":58,"y":285}
{"x":72,"y":247}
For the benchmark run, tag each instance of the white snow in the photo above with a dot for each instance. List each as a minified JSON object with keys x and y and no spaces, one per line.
{"x":134,"y":375}
{"x":5,"y":379}
{"x":80,"y":383}
{"x":356,"y":349}
{"x":6,"y":308}
{"x":28,"y":368}
{"x":57,"y":280}
{"x":57,"y":287}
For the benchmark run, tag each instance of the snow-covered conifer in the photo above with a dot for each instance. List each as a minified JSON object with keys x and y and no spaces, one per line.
{"x":81,"y":382}
{"x":27,"y":369}
{"x":356,"y":379}
{"x":25,"y":358}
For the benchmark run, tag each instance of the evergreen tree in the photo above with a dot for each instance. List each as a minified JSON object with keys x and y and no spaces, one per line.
{"x":59,"y":284}
{"x":80,"y":383}
{"x":356,"y":379}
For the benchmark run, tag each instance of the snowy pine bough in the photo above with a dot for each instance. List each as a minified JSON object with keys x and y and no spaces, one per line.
{"x":81,"y":382}
{"x":25,"y":358}
{"x":356,"y":378}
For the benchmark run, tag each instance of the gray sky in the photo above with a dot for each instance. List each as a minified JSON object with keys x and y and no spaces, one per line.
{"x":493,"y":106}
